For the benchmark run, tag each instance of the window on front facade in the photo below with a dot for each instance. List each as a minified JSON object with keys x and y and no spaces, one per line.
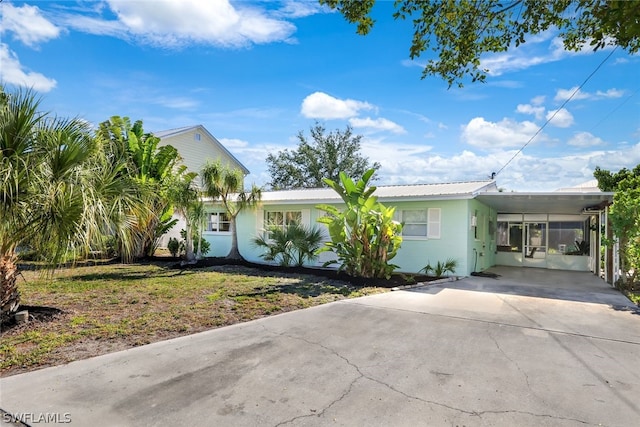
{"x":415,"y":223}
{"x":219,"y":222}
{"x":421,"y":223}
{"x":281,"y":219}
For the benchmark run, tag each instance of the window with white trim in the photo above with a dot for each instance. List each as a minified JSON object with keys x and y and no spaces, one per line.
{"x":219,"y":222}
{"x":282,"y":219}
{"x":421,"y":223}
{"x":415,"y":223}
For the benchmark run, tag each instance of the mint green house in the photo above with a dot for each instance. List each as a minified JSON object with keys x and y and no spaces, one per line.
{"x":441,"y":221}
{"x":471,"y":222}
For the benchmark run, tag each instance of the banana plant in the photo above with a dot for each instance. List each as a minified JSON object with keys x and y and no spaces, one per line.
{"x":364,"y":236}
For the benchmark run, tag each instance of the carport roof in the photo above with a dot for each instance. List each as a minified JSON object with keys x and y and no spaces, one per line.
{"x":551,"y":202}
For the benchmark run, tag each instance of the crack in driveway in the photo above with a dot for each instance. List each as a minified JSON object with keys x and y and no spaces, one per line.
{"x":361,"y":375}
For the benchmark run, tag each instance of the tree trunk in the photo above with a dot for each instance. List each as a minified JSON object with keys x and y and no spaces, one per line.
{"x":9,"y":295}
{"x":190,"y":257}
{"x":234,"y":253}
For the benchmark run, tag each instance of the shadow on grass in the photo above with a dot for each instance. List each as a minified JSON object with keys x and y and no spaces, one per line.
{"x":306,"y":287}
{"x":308,"y":277}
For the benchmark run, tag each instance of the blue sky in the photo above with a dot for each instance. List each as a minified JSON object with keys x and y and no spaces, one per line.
{"x":257,"y":73}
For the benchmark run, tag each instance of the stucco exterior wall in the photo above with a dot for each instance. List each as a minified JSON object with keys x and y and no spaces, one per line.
{"x":481,"y":243}
{"x":456,"y":239}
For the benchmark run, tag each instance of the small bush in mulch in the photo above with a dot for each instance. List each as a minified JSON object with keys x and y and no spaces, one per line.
{"x":397,"y":279}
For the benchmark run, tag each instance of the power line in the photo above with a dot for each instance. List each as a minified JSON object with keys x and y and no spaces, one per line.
{"x":624,"y":101}
{"x":556,"y":112}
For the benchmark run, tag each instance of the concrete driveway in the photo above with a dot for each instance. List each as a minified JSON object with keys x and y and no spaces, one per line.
{"x":476,"y":352}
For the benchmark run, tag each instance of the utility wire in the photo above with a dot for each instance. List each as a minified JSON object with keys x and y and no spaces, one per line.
{"x":615,"y":109}
{"x":555,"y":112}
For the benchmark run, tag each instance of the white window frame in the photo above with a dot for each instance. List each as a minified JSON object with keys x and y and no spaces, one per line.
{"x":433,"y":224}
{"x":403,"y":216}
{"x":217,"y":222}
{"x":305,"y":217}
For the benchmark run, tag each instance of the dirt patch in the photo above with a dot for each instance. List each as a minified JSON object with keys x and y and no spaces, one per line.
{"x":37,"y":314}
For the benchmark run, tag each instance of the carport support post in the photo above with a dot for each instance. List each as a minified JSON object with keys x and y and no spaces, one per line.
{"x":608,"y":251}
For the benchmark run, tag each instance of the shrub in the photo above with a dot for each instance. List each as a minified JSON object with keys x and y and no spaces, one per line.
{"x":204,"y":245}
{"x":364,"y":236}
{"x":441,"y":268}
{"x":173,"y":246}
{"x":293,"y":245}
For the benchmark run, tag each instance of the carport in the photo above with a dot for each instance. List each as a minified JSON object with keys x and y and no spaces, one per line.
{"x":561,"y":230}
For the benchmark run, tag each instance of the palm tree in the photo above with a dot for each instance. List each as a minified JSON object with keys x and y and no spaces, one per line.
{"x":53,"y":189}
{"x":151,"y":167}
{"x":290,"y":245}
{"x":225,"y":184}
{"x":185,"y":199}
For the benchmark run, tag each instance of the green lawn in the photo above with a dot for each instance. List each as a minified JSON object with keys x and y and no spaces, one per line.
{"x":112,"y":307}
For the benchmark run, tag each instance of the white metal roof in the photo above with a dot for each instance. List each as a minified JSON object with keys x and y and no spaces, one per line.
{"x":559,"y":202}
{"x":453,"y":190}
{"x":588,"y":187}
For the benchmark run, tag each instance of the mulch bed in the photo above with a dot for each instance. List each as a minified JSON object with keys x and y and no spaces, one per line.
{"x":396,"y":279}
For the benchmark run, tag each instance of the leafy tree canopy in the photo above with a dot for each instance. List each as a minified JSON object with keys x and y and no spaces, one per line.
{"x":459,"y":32}
{"x":625,"y":218}
{"x":608,"y":181}
{"x":325,"y":156}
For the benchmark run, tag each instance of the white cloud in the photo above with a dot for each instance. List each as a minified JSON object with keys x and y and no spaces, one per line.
{"x":610,"y":93}
{"x":585,"y":139}
{"x":96,"y":26}
{"x":524,"y":173}
{"x":564,"y":94}
{"x":530,"y":54}
{"x":615,"y":160}
{"x":301,"y":9}
{"x":538,"y":112}
{"x":233,"y":143}
{"x":27,"y":24}
{"x":538,"y":100}
{"x":376,"y":124}
{"x":178,"y":103}
{"x":465,"y":166}
{"x":393,"y":156}
{"x":319,"y":105}
{"x":12,"y":72}
{"x":561,"y":118}
{"x":176,"y":23}
{"x":492,"y":136}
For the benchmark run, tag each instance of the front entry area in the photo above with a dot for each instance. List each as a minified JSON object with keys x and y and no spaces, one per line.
{"x":546,"y":241}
